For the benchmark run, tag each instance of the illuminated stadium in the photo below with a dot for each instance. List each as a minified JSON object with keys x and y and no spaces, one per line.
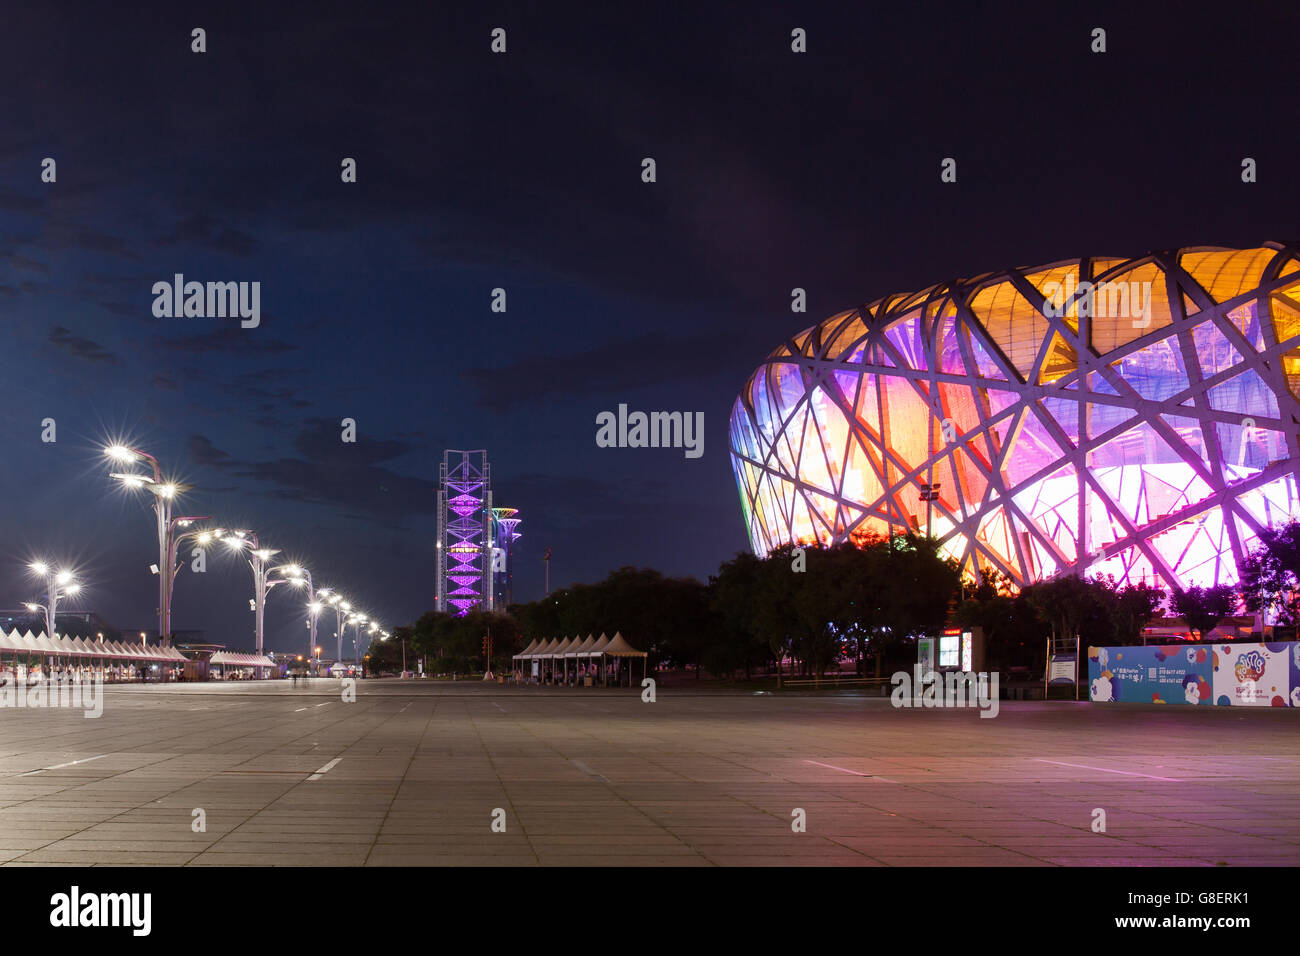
{"x":1133,"y":417}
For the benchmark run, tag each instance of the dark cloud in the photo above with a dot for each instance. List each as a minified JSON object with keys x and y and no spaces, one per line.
{"x":328,"y":471}
{"x":23,"y":262}
{"x":203,"y":452}
{"x":320,"y":440}
{"x":624,"y":364}
{"x":204,"y":231}
{"x":82,"y":348}
{"x":229,"y":338}
{"x":11,"y":202}
{"x":63,"y":236}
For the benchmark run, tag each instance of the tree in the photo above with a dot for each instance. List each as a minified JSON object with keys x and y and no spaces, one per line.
{"x":1132,"y":610}
{"x":1001,"y":618}
{"x":775,"y":620}
{"x":1204,"y":608}
{"x":902,"y":590}
{"x":731,"y":599}
{"x":1270,"y":575}
{"x":669,"y":618}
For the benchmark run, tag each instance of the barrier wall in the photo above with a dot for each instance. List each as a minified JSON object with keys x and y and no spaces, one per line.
{"x":1237,"y":674}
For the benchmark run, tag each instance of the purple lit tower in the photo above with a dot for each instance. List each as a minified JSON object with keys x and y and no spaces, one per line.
{"x":464,"y":532}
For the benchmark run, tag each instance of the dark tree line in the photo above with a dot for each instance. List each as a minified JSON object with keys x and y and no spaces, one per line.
{"x":810,"y":607}
{"x":804,"y":610}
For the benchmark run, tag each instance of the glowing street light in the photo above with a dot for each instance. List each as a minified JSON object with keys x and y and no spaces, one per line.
{"x":356,"y":620}
{"x":164,"y":492}
{"x":60,"y":584}
{"x":341,"y":609}
{"x":258,"y":557}
{"x":298,"y":576}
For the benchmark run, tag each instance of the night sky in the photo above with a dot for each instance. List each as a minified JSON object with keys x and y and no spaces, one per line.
{"x":523,"y":171}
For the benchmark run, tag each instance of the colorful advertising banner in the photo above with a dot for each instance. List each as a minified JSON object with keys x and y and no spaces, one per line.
{"x":1238,"y":674}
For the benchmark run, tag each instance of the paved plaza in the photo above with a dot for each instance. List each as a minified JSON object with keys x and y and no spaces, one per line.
{"x":413,"y":773}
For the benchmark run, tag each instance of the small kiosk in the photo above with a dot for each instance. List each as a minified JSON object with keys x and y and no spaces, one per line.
{"x":953,"y":650}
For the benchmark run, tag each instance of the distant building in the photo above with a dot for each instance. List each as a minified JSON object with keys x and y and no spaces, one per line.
{"x":68,"y":623}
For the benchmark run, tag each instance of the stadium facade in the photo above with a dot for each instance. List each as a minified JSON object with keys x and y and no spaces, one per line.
{"x":1130,"y":417}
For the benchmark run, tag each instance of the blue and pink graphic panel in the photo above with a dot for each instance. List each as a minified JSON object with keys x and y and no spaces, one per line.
{"x":1238,"y":674}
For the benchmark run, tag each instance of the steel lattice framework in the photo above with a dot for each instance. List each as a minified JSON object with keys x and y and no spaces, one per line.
{"x":464,"y":532}
{"x":505,"y":521}
{"x":1135,"y":417}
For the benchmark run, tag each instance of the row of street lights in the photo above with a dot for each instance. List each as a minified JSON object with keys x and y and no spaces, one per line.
{"x":165,"y":493}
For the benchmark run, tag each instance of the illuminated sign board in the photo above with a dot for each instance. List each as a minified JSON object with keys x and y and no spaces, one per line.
{"x":949,"y":651}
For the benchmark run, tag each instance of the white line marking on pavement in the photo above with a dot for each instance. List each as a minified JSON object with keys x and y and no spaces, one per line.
{"x":1127,"y":773}
{"x":322,"y":705}
{"x":404,"y":708}
{"x":60,"y":766}
{"x":856,"y":773}
{"x":498,"y":707}
{"x":840,"y":769}
{"x":325,"y":769}
{"x":300,"y":710}
{"x":588,"y":771}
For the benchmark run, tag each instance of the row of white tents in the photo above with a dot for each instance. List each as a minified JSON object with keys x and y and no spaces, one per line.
{"x":71,"y":647}
{"x":114,"y":651}
{"x":578,"y":650}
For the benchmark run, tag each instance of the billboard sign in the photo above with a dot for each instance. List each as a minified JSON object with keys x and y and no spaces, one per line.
{"x":1238,"y":674}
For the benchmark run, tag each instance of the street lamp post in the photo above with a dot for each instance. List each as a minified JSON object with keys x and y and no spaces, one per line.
{"x":371,"y":631}
{"x":341,"y":609}
{"x":173,"y":565}
{"x":257,"y":560}
{"x":356,"y":620}
{"x":58,"y":585}
{"x":297,"y":576}
{"x":164,"y":492}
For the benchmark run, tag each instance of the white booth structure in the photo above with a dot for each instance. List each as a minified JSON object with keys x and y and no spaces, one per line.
{"x":579,"y":660}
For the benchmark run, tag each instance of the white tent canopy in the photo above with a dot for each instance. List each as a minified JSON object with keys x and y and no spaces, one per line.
{"x":58,"y":646}
{"x":581,"y":650}
{"x":619,"y":647}
{"x":233,"y":659}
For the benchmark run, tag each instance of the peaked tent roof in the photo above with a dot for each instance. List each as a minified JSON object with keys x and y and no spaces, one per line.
{"x":583,"y":649}
{"x":619,"y":647}
{"x":527,"y":651}
{"x":602,"y":642}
